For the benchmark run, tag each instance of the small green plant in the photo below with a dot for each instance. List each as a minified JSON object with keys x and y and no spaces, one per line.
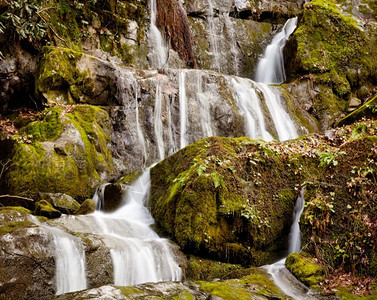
{"x":329,"y":158}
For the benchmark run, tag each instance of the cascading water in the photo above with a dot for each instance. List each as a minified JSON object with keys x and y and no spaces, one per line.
{"x":282,"y":278}
{"x":69,"y":259}
{"x":138,"y":254}
{"x":183,"y":108}
{"x":158,"y":54}
{"x":250,"y":106}
{"x":270,"y":69}
{"x":158,"y":129}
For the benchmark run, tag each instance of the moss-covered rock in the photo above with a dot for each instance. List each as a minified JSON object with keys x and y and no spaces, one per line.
{"x":305,"y":268}
{"x":45,"y":209}
{"x":65,"y":152}
{"x":215,"y":198}
{"x":256,"y":284}
{"x":62,"y":202}
{"x":87,"y":207}
{"x":208,"y":270}
{"x":334,"y":50}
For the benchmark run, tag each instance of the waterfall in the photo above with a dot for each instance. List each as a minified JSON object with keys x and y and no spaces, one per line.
{"x":233,"y":43}
{"x":70,"y":275}
{"x":270,"y":68}
{"x":212,"y":38}
{"x":282,"y":278}
{"x":283,"y":123}
{"x":158,"y":128}
{"x":205,"y":109}
{"x":158,"y":54}
{"x":295,"y":233}
{"x":138,"y":254}
{"x":250,"y":107}
{"x":182,"y":108}
{"x":138,"y":129}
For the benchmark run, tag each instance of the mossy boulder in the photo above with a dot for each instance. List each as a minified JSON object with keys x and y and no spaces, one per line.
{"x":45,"y":209}
{"x":87,"y":207}
{"x":216,"y":197}
{"x":305,"y":268}
{"x":64,"y":152}
{"x":62,"y":202}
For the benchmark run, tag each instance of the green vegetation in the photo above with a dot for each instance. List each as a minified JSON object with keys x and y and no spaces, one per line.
{"x":305,"y":268}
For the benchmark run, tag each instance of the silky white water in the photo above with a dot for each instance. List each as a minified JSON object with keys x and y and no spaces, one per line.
{"x":212,"y":38}
{"x":282,"y":278}
{"x":250,"y":107}
{"x":182,"y":109}
{"x":158,"y":129}
{"x":158,"y":52}
{"x":270,"y":69}
{"x":139,"y":132}
{"x":69,"y":258}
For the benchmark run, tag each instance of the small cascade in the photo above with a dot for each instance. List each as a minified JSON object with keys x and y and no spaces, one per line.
{"x":138,"y":254}
{"x":233,"y":43}
{"x":282,"y":278}
{"x":158,"y":53}
{"x":69,"y":255}
{"x":212,"y":38}
{"x":250,"y":107}
{"x":295,"y":233}
{"x":158,"y":129}
{"x":182,"y":109}
{"x":139,"y":132}
{"x":270,"y":69}
{"x":205,"y":109}
{"x":283,"y":123}
{"x":99,"y":196}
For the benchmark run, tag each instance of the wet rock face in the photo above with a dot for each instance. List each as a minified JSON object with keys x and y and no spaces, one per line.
{"x":26,"y":259}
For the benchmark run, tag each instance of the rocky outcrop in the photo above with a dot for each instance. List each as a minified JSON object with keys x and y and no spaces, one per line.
{"x":64,"y":152}
{"x":332,"y":50}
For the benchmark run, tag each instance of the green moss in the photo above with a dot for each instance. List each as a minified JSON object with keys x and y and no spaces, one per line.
{"x":240,"y":288}
{"x":130,"y":291}
{"x":305,"y":268}
{"x":207,"y":270}
{"x":71,"y":168}
{"x":185,"y":295}
{"x":45,"y":209}
{"x":48,"y":129}
{"x":12,"y":226}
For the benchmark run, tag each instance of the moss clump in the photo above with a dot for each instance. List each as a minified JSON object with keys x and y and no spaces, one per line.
{"x":241,"y":288}
{"x":305,"y":268}
{"x":87,"y":207}
{"x":45,"y":209}
{"x":335,"y":53}
{"x":207,"y":270}
{"x":12,"y":226}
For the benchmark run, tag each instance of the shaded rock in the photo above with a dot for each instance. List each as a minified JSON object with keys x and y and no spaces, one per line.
{"x":113,"y":196}
{"x":353,"y":103}
{"x":12,"y":200}
{"x":87,"y":207}
{"x":366,"y":110}
{"x":62,"y":202}
{"x":45,"y":209}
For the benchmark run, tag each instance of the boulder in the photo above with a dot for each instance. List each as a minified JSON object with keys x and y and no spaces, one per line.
{"x":87,"y":207}
{"x":45,"y":209}
{"x":62,"y":202}
{"x":64,"y":152}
